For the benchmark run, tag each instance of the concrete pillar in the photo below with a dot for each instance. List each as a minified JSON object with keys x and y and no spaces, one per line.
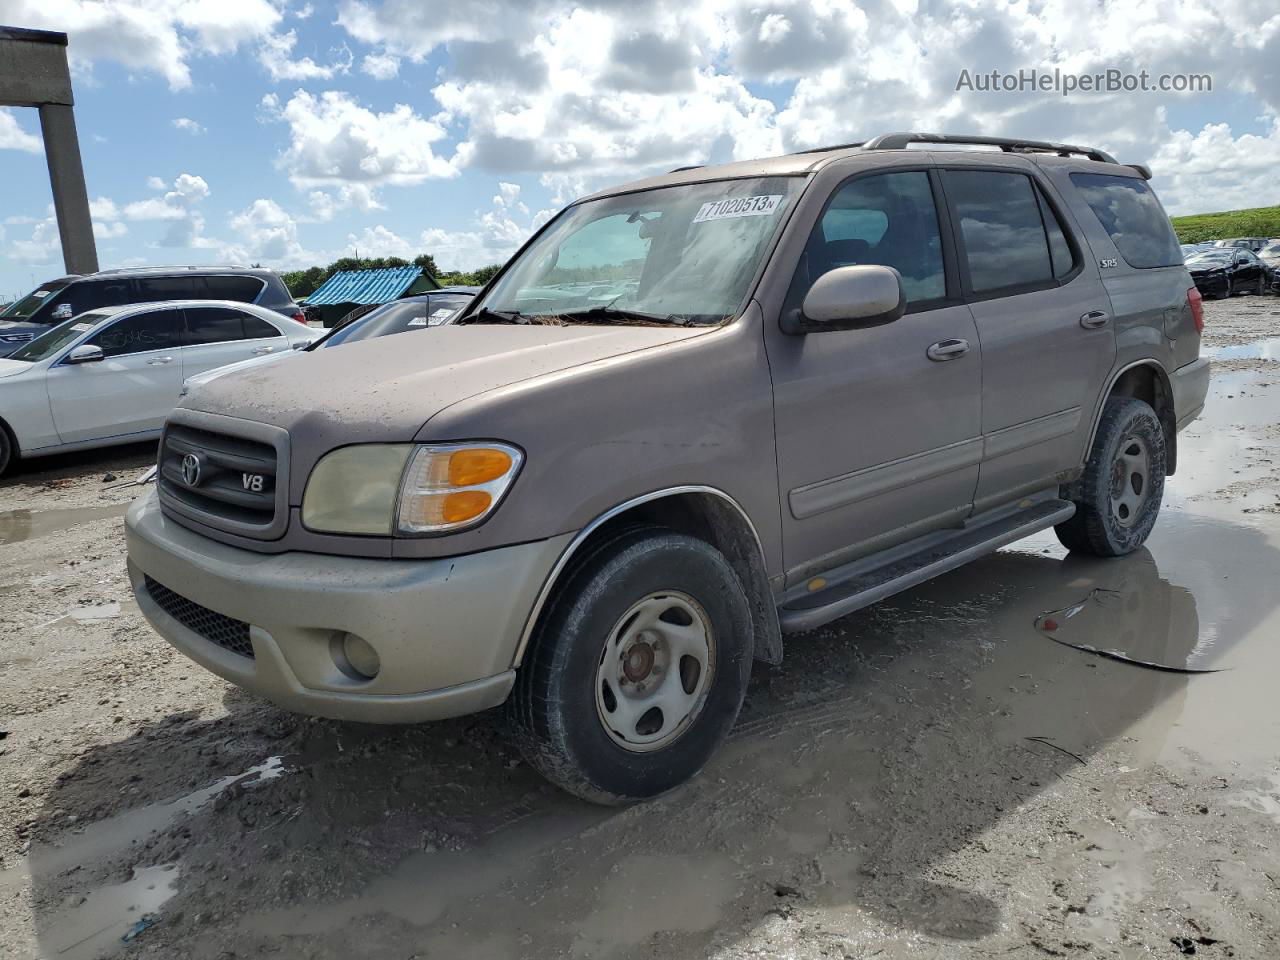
{"x":70,"y":198}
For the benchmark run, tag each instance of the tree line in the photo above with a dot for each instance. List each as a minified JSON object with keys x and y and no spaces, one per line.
{"x":301,"y":283}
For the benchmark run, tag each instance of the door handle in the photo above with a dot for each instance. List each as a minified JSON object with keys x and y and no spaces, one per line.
{"x":947,"y":350}
{"x":1094,"y":319}
{"x":157,"y":361}
{"x":261,"y":350}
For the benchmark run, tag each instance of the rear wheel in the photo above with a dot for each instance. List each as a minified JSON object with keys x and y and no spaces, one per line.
{"x":1118,"y":497}
{"x":1262,"y":286}
{"x":6,"y":450}
{"x":638,"y":669}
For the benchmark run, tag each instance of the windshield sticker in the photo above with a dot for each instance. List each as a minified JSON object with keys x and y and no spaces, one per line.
{"x":443,"y":312}
{"x":739,"y":207}
{"x":81,"y":327}
{"x":417,"y":322}
{"x":40,"y":294}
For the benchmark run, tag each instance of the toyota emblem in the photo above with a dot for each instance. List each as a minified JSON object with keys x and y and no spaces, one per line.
{"x":191,"y":470}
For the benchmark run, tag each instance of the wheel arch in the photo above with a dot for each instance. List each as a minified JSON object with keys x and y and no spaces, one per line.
{"x":15,"y":450}
{"x":705,"y":512}
{"x":1145,"y":380}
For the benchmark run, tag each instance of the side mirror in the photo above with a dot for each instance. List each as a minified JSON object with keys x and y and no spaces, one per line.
{"x":859,"y":296}
{"x":85,"y":353}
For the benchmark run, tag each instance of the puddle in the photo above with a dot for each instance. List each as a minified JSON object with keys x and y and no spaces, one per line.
{"x":1268,"y":349}
{"x":17,"y":526}
{"x":97,"y":926}
{"x":109,"y":837}
{"x":1098,"y":625}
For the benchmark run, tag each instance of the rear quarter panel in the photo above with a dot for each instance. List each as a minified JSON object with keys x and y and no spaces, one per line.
{"x":1149,"y":306}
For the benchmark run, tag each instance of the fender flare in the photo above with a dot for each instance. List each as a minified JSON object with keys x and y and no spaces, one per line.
{"x":768,"y":634}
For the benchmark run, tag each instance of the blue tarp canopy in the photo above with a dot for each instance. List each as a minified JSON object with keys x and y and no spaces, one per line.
{"x":364,"y":286}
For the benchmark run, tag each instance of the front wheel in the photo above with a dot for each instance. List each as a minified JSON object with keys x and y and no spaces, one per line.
{"x":637,"y":670}
{"x":6,"y":450}
{"x":1118,"y":497}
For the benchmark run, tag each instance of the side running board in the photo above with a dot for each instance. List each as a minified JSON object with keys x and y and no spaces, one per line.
{"x":870,"y":586}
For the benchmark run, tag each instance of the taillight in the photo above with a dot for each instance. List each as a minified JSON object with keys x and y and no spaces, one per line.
{"x":1196,"y":303}
{"x":300,"y":317}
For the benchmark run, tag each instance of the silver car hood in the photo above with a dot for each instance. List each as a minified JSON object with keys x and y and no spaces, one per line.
{"x":385,"y":389}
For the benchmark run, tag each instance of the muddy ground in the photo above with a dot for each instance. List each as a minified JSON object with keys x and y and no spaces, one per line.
{"x":932,"y":777}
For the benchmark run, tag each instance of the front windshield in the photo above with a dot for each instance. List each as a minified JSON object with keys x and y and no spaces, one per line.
{"x":33,"y":301}
{"x":1211,"y":255}
{"x":53,"y":340}
{"x":399,"y":316}
{"x":683,"y":254}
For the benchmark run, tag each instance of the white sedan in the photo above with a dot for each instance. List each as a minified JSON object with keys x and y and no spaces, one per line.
{"x":113,"y":374}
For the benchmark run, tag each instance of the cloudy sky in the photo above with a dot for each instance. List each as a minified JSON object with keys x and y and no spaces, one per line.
{"x":289,"y":132}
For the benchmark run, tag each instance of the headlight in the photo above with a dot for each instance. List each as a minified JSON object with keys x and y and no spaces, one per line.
{"x":353,"y":489}
{"x":368,"y":489}
{"x":456,"y":485}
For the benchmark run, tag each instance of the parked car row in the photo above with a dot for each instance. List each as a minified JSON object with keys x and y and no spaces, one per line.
{"x":111,"y":375}
{"x":66,"y":297}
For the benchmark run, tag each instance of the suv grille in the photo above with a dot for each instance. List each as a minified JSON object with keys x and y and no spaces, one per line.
{"x":224,"y":631}
{"x":221,"y":476}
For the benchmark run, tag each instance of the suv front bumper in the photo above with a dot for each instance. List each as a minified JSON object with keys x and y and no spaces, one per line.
{"x":445,"y":630}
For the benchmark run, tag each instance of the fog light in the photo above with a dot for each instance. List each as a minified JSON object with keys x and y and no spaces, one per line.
{"x":361,"y":659}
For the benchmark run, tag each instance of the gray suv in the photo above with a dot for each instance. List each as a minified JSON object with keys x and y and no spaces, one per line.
{"x":693,"y":415}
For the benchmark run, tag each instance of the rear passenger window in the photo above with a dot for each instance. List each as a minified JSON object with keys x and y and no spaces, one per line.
{"x":213,"y":325}
{"x":1005,"y":244}
{"x":244,"y":289}
{"x":169,"y":288}
{"x":255,"y":328}
{"x":887,"y":219}
{"x":1131,"y":214}
{"x":157,"y":330}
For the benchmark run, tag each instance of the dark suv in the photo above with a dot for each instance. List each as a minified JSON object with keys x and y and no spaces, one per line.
{"x":61,"y":299}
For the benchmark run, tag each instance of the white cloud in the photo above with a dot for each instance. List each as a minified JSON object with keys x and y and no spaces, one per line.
{"x":581,"y":94}
{"x":325,"y":204}
{"x":304,"y":12}
{"x":277,"y":57}
{"x":266,"y":233}
{"x":1214,"y":170}
{"x":148,"y":36}
{"x":13,"y":137}
{"x":493,"y":237}
{"x":187,"y":125}
{"x":179,"y":206}
{"x":380,"y":66}
{"x":335,"y":140}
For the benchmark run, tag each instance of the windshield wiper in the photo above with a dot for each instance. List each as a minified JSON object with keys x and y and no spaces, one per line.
{"x":608,"y":312}
{"x":484,"y":314}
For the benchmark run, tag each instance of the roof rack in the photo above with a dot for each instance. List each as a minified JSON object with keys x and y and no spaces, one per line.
{"x":899,"y":141}
{"x":177,"y":266}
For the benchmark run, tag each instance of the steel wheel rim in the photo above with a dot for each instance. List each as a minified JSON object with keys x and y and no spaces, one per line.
{"x":1130,"y":481}
{"x":655,"y":671}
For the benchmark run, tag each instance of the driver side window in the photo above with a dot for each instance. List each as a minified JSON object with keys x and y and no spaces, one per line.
{"x":887,"y":219}
{"x":156,"y":330}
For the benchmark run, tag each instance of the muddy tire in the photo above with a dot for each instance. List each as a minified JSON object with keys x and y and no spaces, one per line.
{"x":1118,"y":497}
{"x":637,"y":669}
{"x":6,"y":450}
